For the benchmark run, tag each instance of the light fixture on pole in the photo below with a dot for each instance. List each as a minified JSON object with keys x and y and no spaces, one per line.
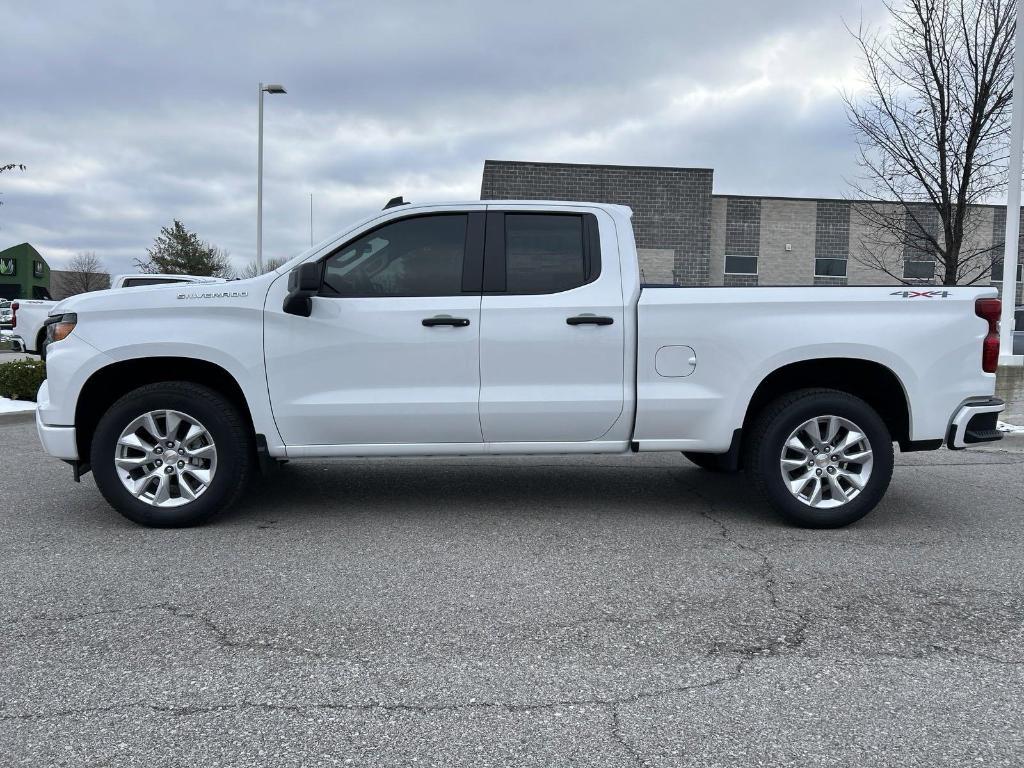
{"x":1010,"y":247}
{"x":269,"y":88}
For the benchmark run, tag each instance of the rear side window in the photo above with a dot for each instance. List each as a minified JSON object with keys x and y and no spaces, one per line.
{"x":539,"y":253}
{"x":420,"y":256}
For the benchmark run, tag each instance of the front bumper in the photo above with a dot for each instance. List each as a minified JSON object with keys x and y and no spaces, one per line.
{"x":975,"y":423}
{"x":58,"y":441}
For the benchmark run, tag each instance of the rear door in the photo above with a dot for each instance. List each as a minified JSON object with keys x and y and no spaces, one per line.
{"x":552,"y":334}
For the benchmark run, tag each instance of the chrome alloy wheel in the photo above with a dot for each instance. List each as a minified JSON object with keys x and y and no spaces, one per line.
{"x":165,"y":458}
{"x":826,"y":462}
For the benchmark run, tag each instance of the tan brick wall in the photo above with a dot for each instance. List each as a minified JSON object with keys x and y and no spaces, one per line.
{"x":978,"y":237}
{"x":656,"y":264}
{"x":787,"y":222}
{"x":864,"y":239}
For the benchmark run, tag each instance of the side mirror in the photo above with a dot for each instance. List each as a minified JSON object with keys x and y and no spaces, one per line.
{"x":303,"y":284}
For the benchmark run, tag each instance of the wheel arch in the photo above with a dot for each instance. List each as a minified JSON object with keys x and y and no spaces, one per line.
{"x":108,"y":384}
{"x":871,"y":381}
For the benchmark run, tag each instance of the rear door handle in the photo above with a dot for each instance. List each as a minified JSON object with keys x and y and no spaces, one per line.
{"x":458,"y":322}
{"x":589,"y":320}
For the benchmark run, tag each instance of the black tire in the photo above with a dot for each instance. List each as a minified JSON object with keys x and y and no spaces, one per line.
{"x":712,"y":462}
{"x":227,"y":427}
{"x":773,"y":426}
{"x":41,"y":347}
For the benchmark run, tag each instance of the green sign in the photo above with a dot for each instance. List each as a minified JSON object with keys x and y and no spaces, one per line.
{"x":37,"y":270}
{"x":7,"y":267}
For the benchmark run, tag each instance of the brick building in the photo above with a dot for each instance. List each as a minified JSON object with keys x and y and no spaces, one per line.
{"x":687,"y":235}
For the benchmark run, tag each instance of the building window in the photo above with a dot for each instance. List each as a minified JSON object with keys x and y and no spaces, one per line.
{"x":826,"y":267}
{"x":997,"y":271}
{"x":741,"y":265}
{"x":918,"y":270}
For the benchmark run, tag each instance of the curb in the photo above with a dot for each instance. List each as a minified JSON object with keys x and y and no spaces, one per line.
{"x":1011,"y":440}
{"x":17,"y":418}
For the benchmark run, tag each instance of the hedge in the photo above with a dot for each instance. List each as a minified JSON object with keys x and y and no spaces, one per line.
{"x":20,"y":379}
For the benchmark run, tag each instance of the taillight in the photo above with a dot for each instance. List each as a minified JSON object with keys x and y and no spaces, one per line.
{"x":989,"y":309}
{"x":14,"y":314}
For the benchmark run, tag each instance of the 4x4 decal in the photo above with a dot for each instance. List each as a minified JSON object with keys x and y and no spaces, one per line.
{"x":920,"y":294}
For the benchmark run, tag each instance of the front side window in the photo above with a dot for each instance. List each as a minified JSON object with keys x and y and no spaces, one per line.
{"x":420,"y":256}
{"x":544,"y":253}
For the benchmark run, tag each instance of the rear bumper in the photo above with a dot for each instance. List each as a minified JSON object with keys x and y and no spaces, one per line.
{"x":13,"y":338}
{"x":975,"y":423}
{"x":59,"y":442}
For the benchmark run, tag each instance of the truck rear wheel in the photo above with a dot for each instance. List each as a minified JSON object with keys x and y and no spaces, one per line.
{"x":822,"y":458}
{"x":171,"y":454}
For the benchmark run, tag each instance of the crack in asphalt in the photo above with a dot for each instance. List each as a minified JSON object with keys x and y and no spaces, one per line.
{"x":766,"y":573}
{"x":619,"y":735}
{"x":612,"y":702}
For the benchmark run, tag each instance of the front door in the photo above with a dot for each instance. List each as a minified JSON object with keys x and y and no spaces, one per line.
{"x":390,"y":352}
{"x":552,"y":335}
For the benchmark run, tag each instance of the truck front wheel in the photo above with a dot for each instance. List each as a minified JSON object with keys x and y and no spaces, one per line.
{"x":822,"y":458}
{"x":171,"y":454}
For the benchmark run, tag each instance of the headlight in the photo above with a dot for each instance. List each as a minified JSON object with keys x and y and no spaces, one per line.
{"x":59,"y":327}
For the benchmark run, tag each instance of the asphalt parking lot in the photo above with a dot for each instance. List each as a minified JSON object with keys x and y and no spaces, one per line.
{"x":539,"y":611}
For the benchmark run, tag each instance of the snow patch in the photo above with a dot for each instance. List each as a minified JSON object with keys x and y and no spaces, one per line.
{"x":1011,"y":429}
{"x":20,"y":406}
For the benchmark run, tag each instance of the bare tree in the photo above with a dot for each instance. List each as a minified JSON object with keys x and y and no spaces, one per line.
{"x":251,"y":270}
{"x":931,"y":133}
{"x":11,"y":167}
{"x":85,"y":273}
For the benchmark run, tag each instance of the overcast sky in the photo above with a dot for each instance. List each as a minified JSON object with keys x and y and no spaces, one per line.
{"x":129,"y":115}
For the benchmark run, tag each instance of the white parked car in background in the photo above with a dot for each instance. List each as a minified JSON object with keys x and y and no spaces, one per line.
{"x":509,"y":328}
{"x":29,"y":315}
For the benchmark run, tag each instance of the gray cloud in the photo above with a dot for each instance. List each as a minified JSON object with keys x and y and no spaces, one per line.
{"x":129,"y":115}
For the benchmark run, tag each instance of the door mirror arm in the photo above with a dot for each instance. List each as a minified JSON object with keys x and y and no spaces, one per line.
{"x":303,"y":285}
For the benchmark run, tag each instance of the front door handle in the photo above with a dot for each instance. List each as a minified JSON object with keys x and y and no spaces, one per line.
{"x":458,"y":322}
{"x":589,"y":320}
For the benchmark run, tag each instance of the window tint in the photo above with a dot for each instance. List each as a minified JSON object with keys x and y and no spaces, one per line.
{"x":420,"y":256}
{"x":741,"y":265}
{"x":544,"y":253}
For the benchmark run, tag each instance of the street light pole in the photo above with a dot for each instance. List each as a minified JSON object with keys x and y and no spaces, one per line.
{"x":1006,"y":356}
{"x":272,"y":88}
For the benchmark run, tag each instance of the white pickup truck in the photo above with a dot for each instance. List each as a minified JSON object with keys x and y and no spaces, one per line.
{"x":28,"y":316}
{"x":507,"y":328}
